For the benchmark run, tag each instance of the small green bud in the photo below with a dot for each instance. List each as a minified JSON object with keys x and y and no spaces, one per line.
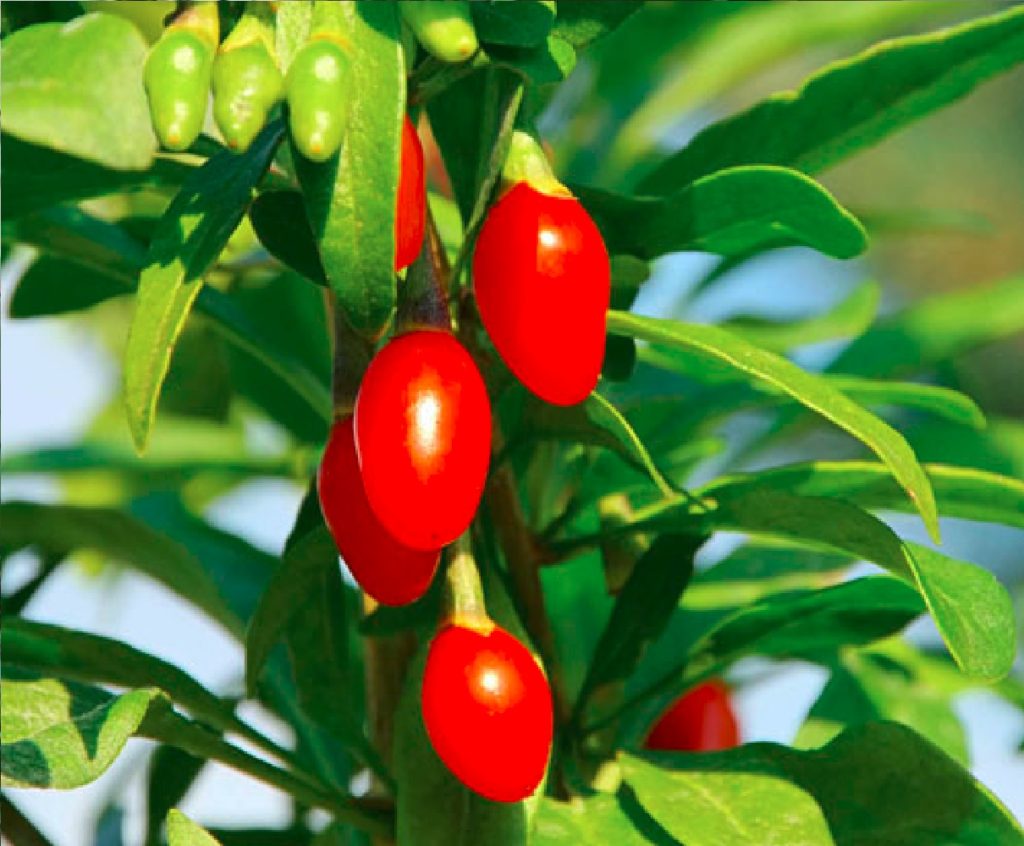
{"x":443,"y":27}
{"x":318,"y":93}
{"x":246,"y":85}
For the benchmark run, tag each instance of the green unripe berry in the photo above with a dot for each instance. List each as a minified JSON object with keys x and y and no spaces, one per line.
{"x":318,"y":92}
{"x":177,"y":79}
{"x":443,"y":27}
{"x":246,"y":85}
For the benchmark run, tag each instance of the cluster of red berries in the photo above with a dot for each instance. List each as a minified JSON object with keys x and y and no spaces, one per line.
{"x":402,"y":477}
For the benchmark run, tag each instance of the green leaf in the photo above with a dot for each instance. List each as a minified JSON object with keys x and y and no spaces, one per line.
{"x":867,"y":686}
{"x":810,"y":390}
{"x":936,"y":329}
{"x":55,"y":651}
{"x":734,"y":211}
{"x":77,"y":88}
{"x":279,"y":218}
{"x":171,"y":774}
{"x":288,"y":594}
{"x":189,"y":238}
{"x":960,"y":491}
{"x":849,"y":318}
{"x":63,"y":735}
{"x":53,"y":286}
{"x":63,"y":529}
{"x":753,"y":41}
{"x":602,"y":818}
{"x":852,"y":104}
{"x":351,"y":198}
{"x":594,"y":421}
{"x":520,"y":24}
{"x":181,"y":831}
{"x":550,"y":62}
{"x":580,"y":22}
{"x":37,"y":177}
{"x":971,"y":609}
{"x":879,"y":784}
{"x":808,"y":624}
{"x":934,"y":399}
{"x":641,"y":610}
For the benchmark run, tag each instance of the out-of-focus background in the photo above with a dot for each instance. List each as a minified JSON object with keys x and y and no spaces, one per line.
{"x":943,"y":199}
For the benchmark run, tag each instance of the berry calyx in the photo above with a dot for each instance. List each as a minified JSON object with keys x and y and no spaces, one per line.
{"x":702,"y":720}
{"x":542,"y":281}
{"x":487,"y":710}
{"x":391,"y":573}
{"x":411,"y":210}
{"x":423,"y":437}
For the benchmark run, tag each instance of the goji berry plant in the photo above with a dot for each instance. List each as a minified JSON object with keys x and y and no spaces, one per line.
{"x":416,"y":243}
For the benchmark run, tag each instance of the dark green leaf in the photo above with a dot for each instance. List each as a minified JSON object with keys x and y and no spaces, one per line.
{"x":188,"y":240}
{"x":731,"y":212}
{"x":279,"y":218}
{"x":53,"y":286}
{"x":641,"y":611}
{"x":852,"y":104}
{"x":171,"y":774}
{"x":804,"y":387}
{"x":581,"y":21}
{"x":351,"y":198}
{"x":35,"y":177}
{"x":880,"y":784}
{"x":77,"y":88}
{"x":519,"y":24}
{"x":547,"y":63}
{"x":866,"y":686}
{"x":63,"y":735}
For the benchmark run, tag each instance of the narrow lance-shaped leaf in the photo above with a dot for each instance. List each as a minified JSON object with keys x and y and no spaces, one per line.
{"x":190,"y":237}
{"x":804,"y":387}
{"x":737,"y":211}
{"x":181,"y":831}
{"x":853,"y":103}
{"x":351,"y":198}
{"x":878,"y":783}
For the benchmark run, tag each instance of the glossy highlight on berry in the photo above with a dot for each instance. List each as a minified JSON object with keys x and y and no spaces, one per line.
{"x":423,"y":437}
{"x":391,"y":573}
{"x":701,"y":720}
{"x":543,"y":284}
{"x":487,"y":710}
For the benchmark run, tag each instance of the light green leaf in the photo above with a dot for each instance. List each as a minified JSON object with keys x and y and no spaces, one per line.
{"x":62,"y":529}
{"x":351,"y":198}
{"x":181,"y":831}
{"x":849,"y":318}
{"x":735,"y":211}
{"x":63,"y":735}
{"x":810,"y":390}
{"x":189,"y":238}
{"x":603,"y":818}
{"x":852,"y":104}
{"x":960,"y":491}
{"x":880,"y":784}
{"x":77,"y":88}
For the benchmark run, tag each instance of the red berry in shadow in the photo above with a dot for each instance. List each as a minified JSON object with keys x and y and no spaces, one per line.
{"x":411,"y":209}
{"x":391,"y":573}
{"x":702,"y":720}
{"x":423,"y":437}
{"x":487,"y":710}
{"x":542,"y":281}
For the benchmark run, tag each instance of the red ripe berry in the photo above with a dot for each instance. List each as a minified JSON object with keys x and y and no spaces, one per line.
{"x":487,"y":710}
{"x":423,"y":436}
{"x":389,"y":572}
{"x":543,"y":284}
{"x":702,"y":720}
{"x":411,"y":212}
